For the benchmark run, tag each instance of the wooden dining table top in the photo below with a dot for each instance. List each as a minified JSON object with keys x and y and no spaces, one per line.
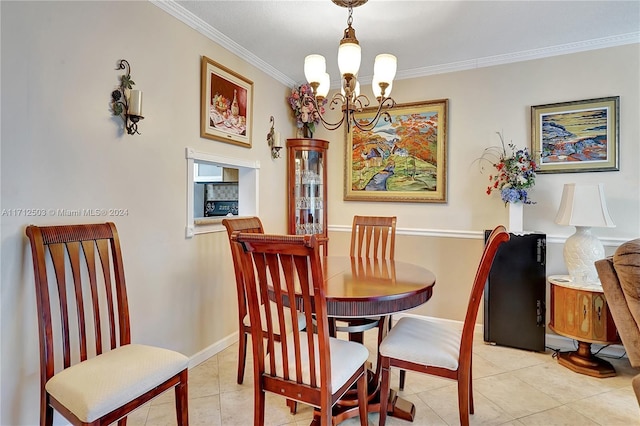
{"x":361,"y":287}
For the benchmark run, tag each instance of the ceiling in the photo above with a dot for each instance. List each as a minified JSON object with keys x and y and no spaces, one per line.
{"x":428,"y":37}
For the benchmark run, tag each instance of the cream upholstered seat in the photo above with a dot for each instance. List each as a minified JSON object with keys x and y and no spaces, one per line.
{"x":95,"y":387}
{"x":426,"y":342}
{"x":263,"y":315}
{"x":348,"y":358}
{"x":305,"y":366}
{"x":431,"y":347}
{"x":90,"y":371}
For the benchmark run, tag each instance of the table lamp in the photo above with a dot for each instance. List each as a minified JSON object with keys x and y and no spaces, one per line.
{"x":583,"y":206}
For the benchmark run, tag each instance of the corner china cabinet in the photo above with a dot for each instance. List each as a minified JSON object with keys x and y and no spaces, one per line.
{"x":307,"y":189}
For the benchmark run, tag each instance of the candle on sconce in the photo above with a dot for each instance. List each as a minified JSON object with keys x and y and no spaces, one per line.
{"x":135,"y":102}
{"x":277,"y":141}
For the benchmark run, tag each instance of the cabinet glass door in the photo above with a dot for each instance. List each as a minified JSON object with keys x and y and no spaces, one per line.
{"x":308,"y":192}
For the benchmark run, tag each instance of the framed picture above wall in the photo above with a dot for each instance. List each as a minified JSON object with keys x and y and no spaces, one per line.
{"x":578,"y":136}
{"x":403,"y":160}
{"x":226,"y":104}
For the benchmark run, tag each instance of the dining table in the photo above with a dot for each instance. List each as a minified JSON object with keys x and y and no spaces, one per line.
{"x":364,"y":288}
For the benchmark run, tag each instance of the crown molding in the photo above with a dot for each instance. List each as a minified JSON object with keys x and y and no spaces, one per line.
{"x":525,"y":55}
{"x":183,"y":15}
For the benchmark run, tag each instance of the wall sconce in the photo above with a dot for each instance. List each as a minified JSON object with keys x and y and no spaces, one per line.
{"x":126,"y":102}
{"x":274,"y":140}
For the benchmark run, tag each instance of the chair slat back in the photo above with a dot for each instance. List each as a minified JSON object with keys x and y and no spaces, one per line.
{"x":373,"y":236}
{"x":83,"y":273}
{"x":248,"y":225}
{"x":286,"y":268}
{"x":497,"y":237}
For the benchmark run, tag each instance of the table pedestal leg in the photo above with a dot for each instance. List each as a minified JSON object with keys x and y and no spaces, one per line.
{"x":584,"y":362}
{"x":347,"y":407}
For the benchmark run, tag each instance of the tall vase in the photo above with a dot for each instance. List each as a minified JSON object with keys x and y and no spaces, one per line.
{"x":516,"y":213}
{"x":306,"y":131}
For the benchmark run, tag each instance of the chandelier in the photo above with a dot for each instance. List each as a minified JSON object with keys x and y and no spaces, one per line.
{"x":349,"y":99}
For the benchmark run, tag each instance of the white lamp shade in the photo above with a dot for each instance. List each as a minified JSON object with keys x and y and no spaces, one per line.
{"x":315,"y":66}
{"x":384,"y":68}
{"x":325,"y":84}
{"x":349,"y":56}
{"x":584,"y":205}
{"x":377,"y":90}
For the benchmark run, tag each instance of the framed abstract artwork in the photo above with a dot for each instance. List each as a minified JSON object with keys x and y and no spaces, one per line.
{"x":578,"y":136}
{"x":226,"y":104}
{"x":404,"y":160}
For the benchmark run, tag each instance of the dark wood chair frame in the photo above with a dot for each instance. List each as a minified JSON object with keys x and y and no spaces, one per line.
{"x":373,"y":237}
{"x":463,"y":373}
{"x":243,"y":224}
{"x":98,"y":242}
{"x":284,"y":268}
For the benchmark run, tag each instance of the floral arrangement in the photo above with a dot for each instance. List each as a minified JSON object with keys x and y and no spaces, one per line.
{"x":514,"y":173}
{"x":304,"y":109}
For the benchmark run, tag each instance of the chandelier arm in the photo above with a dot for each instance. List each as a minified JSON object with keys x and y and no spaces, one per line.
{"x":363,"y":101}
{"x":387,"y":102}
{"x":327,"y":124}
{"x":369,"y":125}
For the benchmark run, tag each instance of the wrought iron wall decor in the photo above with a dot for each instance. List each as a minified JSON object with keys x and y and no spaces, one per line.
{"x":274,"y":140}
{"x":127,"y":102}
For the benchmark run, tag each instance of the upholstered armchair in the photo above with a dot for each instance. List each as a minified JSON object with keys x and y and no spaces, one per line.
{"x":620,"y":278}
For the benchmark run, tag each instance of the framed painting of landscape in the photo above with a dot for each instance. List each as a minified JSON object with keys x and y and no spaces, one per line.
{"x":404,"y":160}
{"x":579,"y":136}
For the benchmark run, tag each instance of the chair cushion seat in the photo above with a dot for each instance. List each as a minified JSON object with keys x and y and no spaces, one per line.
{"x":274,"y":317}
{"x":424,"y":342}
{"x":101,"y":384}
{"x":346,"y":358}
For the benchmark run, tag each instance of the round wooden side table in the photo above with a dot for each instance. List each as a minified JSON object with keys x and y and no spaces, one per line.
{"x":579,"y":311}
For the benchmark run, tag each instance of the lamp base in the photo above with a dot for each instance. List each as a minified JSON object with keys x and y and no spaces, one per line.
{"x":580,"y":252}
{"x":584,"y":362}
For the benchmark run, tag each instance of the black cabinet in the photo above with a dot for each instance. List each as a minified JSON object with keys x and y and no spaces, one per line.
{"x":515,"y":294}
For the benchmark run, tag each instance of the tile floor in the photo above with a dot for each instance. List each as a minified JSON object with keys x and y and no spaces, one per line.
{"x":511,"y":387}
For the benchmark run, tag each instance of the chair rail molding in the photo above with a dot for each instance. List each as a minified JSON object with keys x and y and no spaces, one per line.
{"x":474,"y":235}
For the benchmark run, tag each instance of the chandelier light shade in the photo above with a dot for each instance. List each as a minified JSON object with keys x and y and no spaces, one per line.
{"x":384,"y":68}
{"x":325,"y":85}
{"x":349,"y":99}
{"x":349,"y":53}
{"x":583,"y":206}
{"x":315,"y":66}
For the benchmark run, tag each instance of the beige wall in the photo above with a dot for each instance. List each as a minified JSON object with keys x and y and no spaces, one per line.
{"x":62,"y":149}
{"x":498,"y":99}
{"x":482,"y":102}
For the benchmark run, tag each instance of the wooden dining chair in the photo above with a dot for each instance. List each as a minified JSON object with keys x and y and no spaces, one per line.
{"x":438,"y":348}
{"x":90,"y":371}
{"x":372,"y":237}
{"x":244,"y":224}
{"x":303,"y":365}
{"x":247,"y":225}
